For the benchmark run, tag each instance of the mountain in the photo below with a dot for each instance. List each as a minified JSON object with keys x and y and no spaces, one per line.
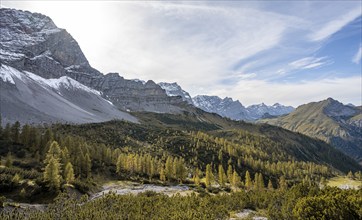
{"x":329,"y":120}
{"x":173,"y":89}
{"x":29,"y":98}
{"x":262,"y":110}
{"x":32,"y":42}
{"x":227,"y":107}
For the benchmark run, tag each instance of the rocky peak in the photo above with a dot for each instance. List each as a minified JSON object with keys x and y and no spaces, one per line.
{"x":335,"y":108}
{"x":173,"y":89}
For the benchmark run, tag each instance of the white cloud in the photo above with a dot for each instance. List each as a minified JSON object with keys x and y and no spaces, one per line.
{"x":357,"y":57}
{"x":309,"y":63}
{"x":346,"y":90}
{"x":336,"y":24}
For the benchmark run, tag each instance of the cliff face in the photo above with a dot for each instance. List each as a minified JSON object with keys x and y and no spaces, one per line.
{"x":32,"y":42}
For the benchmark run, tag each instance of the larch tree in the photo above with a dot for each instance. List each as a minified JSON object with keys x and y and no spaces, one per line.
{"x":282,"y":183}
{"x":69,"y":173}
{"x":162,"y":175}
{"x":236,"y":179}
{"x":222,"y":176}
{"x":196,"y":177}
{"x":230,"y":174}
{"x":52,"y":173}
{"x":248,"y":182}
{"x":87,"y":165}
{"x":209,"y":176}
{"x":270,"y":185}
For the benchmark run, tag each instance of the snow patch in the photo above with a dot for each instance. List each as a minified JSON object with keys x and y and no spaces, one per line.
{"x":64,"y":81}
{"x":8,"y":73}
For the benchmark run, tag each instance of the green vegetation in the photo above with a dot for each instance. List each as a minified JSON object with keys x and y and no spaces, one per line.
{"x":299,"y":202}
{"x":254,"y":166}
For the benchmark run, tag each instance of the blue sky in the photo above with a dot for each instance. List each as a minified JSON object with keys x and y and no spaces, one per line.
{"x":255,"y":51}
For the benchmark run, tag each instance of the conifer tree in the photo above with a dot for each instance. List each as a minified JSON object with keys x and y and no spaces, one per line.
{"x":7,"y":132}
{"x":282,"y":183}
{"x":162,"y":175}
{"x":25,"y":135}
{"x":260,"y":181}
{"x":169,"y":168}
{"x":230,"y":174}
{"x":87,"y":165}
{"x":197,"y":177}
{"x":248,"y":182}
{"x":119,"y":164}
{"x":15,"y":130}
{"x":209,"y":176}
{"x":270,"y":185}
{"x":222,"y":176}
{"x":69,"y":173}
{"x":236,"y":179}
{"x":9,"y":160}
{"x":54,"y":151}
{"x":52,"y":173}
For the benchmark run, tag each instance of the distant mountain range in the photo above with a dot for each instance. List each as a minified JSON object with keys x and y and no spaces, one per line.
{"x":328,"y":120}
{"x":227,"y":107}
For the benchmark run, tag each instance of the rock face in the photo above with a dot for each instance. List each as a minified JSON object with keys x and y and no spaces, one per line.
{"x":173,"y":89}
{"x":329,"y":120}
{"x":32,"y":42}
{"x":227,"y":107}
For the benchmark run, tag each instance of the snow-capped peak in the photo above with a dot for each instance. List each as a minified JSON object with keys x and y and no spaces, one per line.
{"x":173,"y":89}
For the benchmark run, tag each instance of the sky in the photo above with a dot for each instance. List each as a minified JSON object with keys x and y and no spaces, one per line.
{"x":290,"y":52}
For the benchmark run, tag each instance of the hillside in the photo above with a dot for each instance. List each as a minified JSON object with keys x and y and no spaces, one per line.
{"x":328,"y":120}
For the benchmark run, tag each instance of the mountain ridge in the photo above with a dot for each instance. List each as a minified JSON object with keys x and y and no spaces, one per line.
{"x":328,"y":120}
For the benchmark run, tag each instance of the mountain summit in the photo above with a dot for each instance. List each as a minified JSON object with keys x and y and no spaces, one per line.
{"x":328,"y":120}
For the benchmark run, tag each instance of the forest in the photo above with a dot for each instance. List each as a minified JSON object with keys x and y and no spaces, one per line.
{"x":229,"y":169}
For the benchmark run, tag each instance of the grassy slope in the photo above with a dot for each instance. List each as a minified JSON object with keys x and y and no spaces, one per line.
{"x":311,"y":120}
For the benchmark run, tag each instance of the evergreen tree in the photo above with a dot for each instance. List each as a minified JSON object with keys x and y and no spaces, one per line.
{"x":282,"y":183}
{"x":119,"y":164}
{"x":222,"y":176}
{"x":209,"y":176}
{"x":169,"y":168}
{"x":9,"y":160}
{"x":7,"y":132}
{"x":162,"y":175}
{"x":54,"y":151}
{"x":197,"y":177}
{"x":69,"y":173}
{"x":260,"y":181}
{"x":15,"y":132}
{"x":270,"y":185}
{"x":87,"y":165}
{"x":230,"y":174}
{"x":248,"y":182}
{"x":236,"y":179}
{"x":52,"y":173}
{"x":25,"y":135}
